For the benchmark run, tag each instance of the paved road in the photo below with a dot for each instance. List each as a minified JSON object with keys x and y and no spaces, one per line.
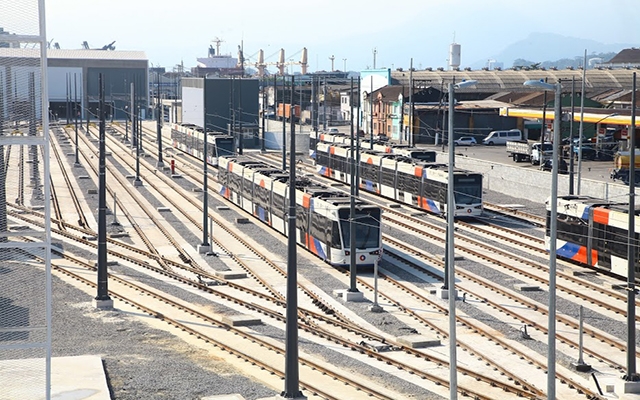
{"x":596,"y":170}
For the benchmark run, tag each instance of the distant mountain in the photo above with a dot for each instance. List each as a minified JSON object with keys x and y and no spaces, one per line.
{"x":541,"y":47}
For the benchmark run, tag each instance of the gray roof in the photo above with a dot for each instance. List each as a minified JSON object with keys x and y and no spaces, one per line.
{"x":597,"y":80}
{"x":78,"y":54}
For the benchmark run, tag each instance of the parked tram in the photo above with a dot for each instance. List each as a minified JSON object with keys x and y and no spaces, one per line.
{"x":366,"y":144}
{"x":594,"y":232}
{"x":322,"y":213}
{"x":413,"y":182}
{"x":189,"y":138}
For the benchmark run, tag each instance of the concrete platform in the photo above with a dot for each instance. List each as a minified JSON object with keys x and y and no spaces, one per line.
{"x":523,"y":287}
{"x":241,"y":320}
{"x":80,"y":377}
{"x":418,"y":341}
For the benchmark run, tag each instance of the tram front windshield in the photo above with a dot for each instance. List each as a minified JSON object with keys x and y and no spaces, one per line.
{"x":468,"y":189}
{"x":367,"y":228}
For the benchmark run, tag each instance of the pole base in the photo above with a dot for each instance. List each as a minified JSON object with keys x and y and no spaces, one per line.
{"x":77,"y":164}
{"x":105,"y":304}
{"x":160,"y":164}
{"x":444,"y":293}
{"x":346,"y":295}
{"x":581,"y":367}
{"x":203,"y":248}
{"x":376,"y":308}
{"x":137,"y":182}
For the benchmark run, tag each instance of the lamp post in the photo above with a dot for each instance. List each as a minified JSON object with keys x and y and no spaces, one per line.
{"x":450,"y":275}
{"x":580,"y":145}
{"x":553,"y":227}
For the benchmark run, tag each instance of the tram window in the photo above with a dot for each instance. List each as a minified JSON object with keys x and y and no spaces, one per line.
{"x":278,"y":202}
{"x":336,"y":242}
{"x":388,"y":177}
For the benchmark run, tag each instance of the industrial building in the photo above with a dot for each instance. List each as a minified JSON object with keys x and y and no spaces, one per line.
{"x":73,"y":80}
{"x":230,"y":105}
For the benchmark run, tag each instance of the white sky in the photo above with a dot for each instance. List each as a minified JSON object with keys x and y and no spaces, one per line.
{"x":172,"y":31}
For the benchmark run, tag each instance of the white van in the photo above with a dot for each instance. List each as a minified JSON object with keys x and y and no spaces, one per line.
{"x":502,"y":137}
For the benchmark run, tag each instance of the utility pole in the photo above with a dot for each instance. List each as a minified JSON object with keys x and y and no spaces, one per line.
{"x":632,"y":246}
{"x":375,"y":52}
{"x":240,"y":133}
{"x":344,"y":60}
{"x":352,"y":210}
{"x":159,"y":164}
{"x":291,"y":370}
{"x":410,"y":138}
{"x":264,"y":100}
{"x":137,"y":137}
{"x":371,"y":112}
{"x":324,"y":104}
{"x":332,"y":58}
{"x":284,"y":126}
{"x":357,"y":137}
{"x":76,"y":112}
{"x":543,"y":130}
{"x":102,"y":300}
{"x":205,"y":247}
{"x":571,"y":172}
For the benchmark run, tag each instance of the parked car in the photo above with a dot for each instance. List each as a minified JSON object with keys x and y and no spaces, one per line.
{"x":465,"y":141}
{"x":547,"y":165}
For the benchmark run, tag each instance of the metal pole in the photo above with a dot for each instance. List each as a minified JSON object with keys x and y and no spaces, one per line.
{"x":76,"y":112}
{"x":357,"y":139}
{"x":584,"y":78}
{"x":410,"y":138}
{"x":543,"y":129}
{"x":205,"y":173}
{"x":352,"y":211}
{"x":632,"y":248}
{"x":453,"y":378}
{"x":553,"y":226}
{"x":159,"y":164}
{"x":103,"y":291}
{"x":371,"y":112}
{"x":291,"y":372}
{"x":115,"y":217}
{"x":580,"y":338}
{"x":264,"y":100}
{"x":324,"y":104}
{"x":137,"y":137}
{"x":240,"y":131}
{"x":571,"y":172}
{"x":284,"y":127}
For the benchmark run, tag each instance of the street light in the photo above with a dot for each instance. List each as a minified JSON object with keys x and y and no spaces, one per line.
{"x":450,"y":276}
{"x":580,"y":147}
{"x":553,"y":227}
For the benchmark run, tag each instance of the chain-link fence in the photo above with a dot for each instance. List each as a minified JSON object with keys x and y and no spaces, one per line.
{"x":25,"y":241}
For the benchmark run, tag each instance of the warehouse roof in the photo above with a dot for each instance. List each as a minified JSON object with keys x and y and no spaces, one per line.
{"x":77,"y":54}
{"x":494,"y":81}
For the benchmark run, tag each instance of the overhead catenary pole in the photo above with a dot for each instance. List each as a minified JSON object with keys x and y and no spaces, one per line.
{"x":284,"y":126}
{"x":136,"y":127}
{"x":553,"y":227}
{"x":264,"y":100}
{"x":371,"y":112}
{"x":324,"y":104}
{"x":450,"y":276}
{"x":240,"y":132}
{"x":357,"y":138}
{"x":159,"y":164}
{"x":102,"y":300}
{"x":291,"y":371}
{"x":580,"y":129}
{"x":410,"y":138}
{"x":571,"y":172}
{"x":76,"y":113}
{"x":352,"y":210}
{"x":632,"y":245}
{"x":204,"y":247}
